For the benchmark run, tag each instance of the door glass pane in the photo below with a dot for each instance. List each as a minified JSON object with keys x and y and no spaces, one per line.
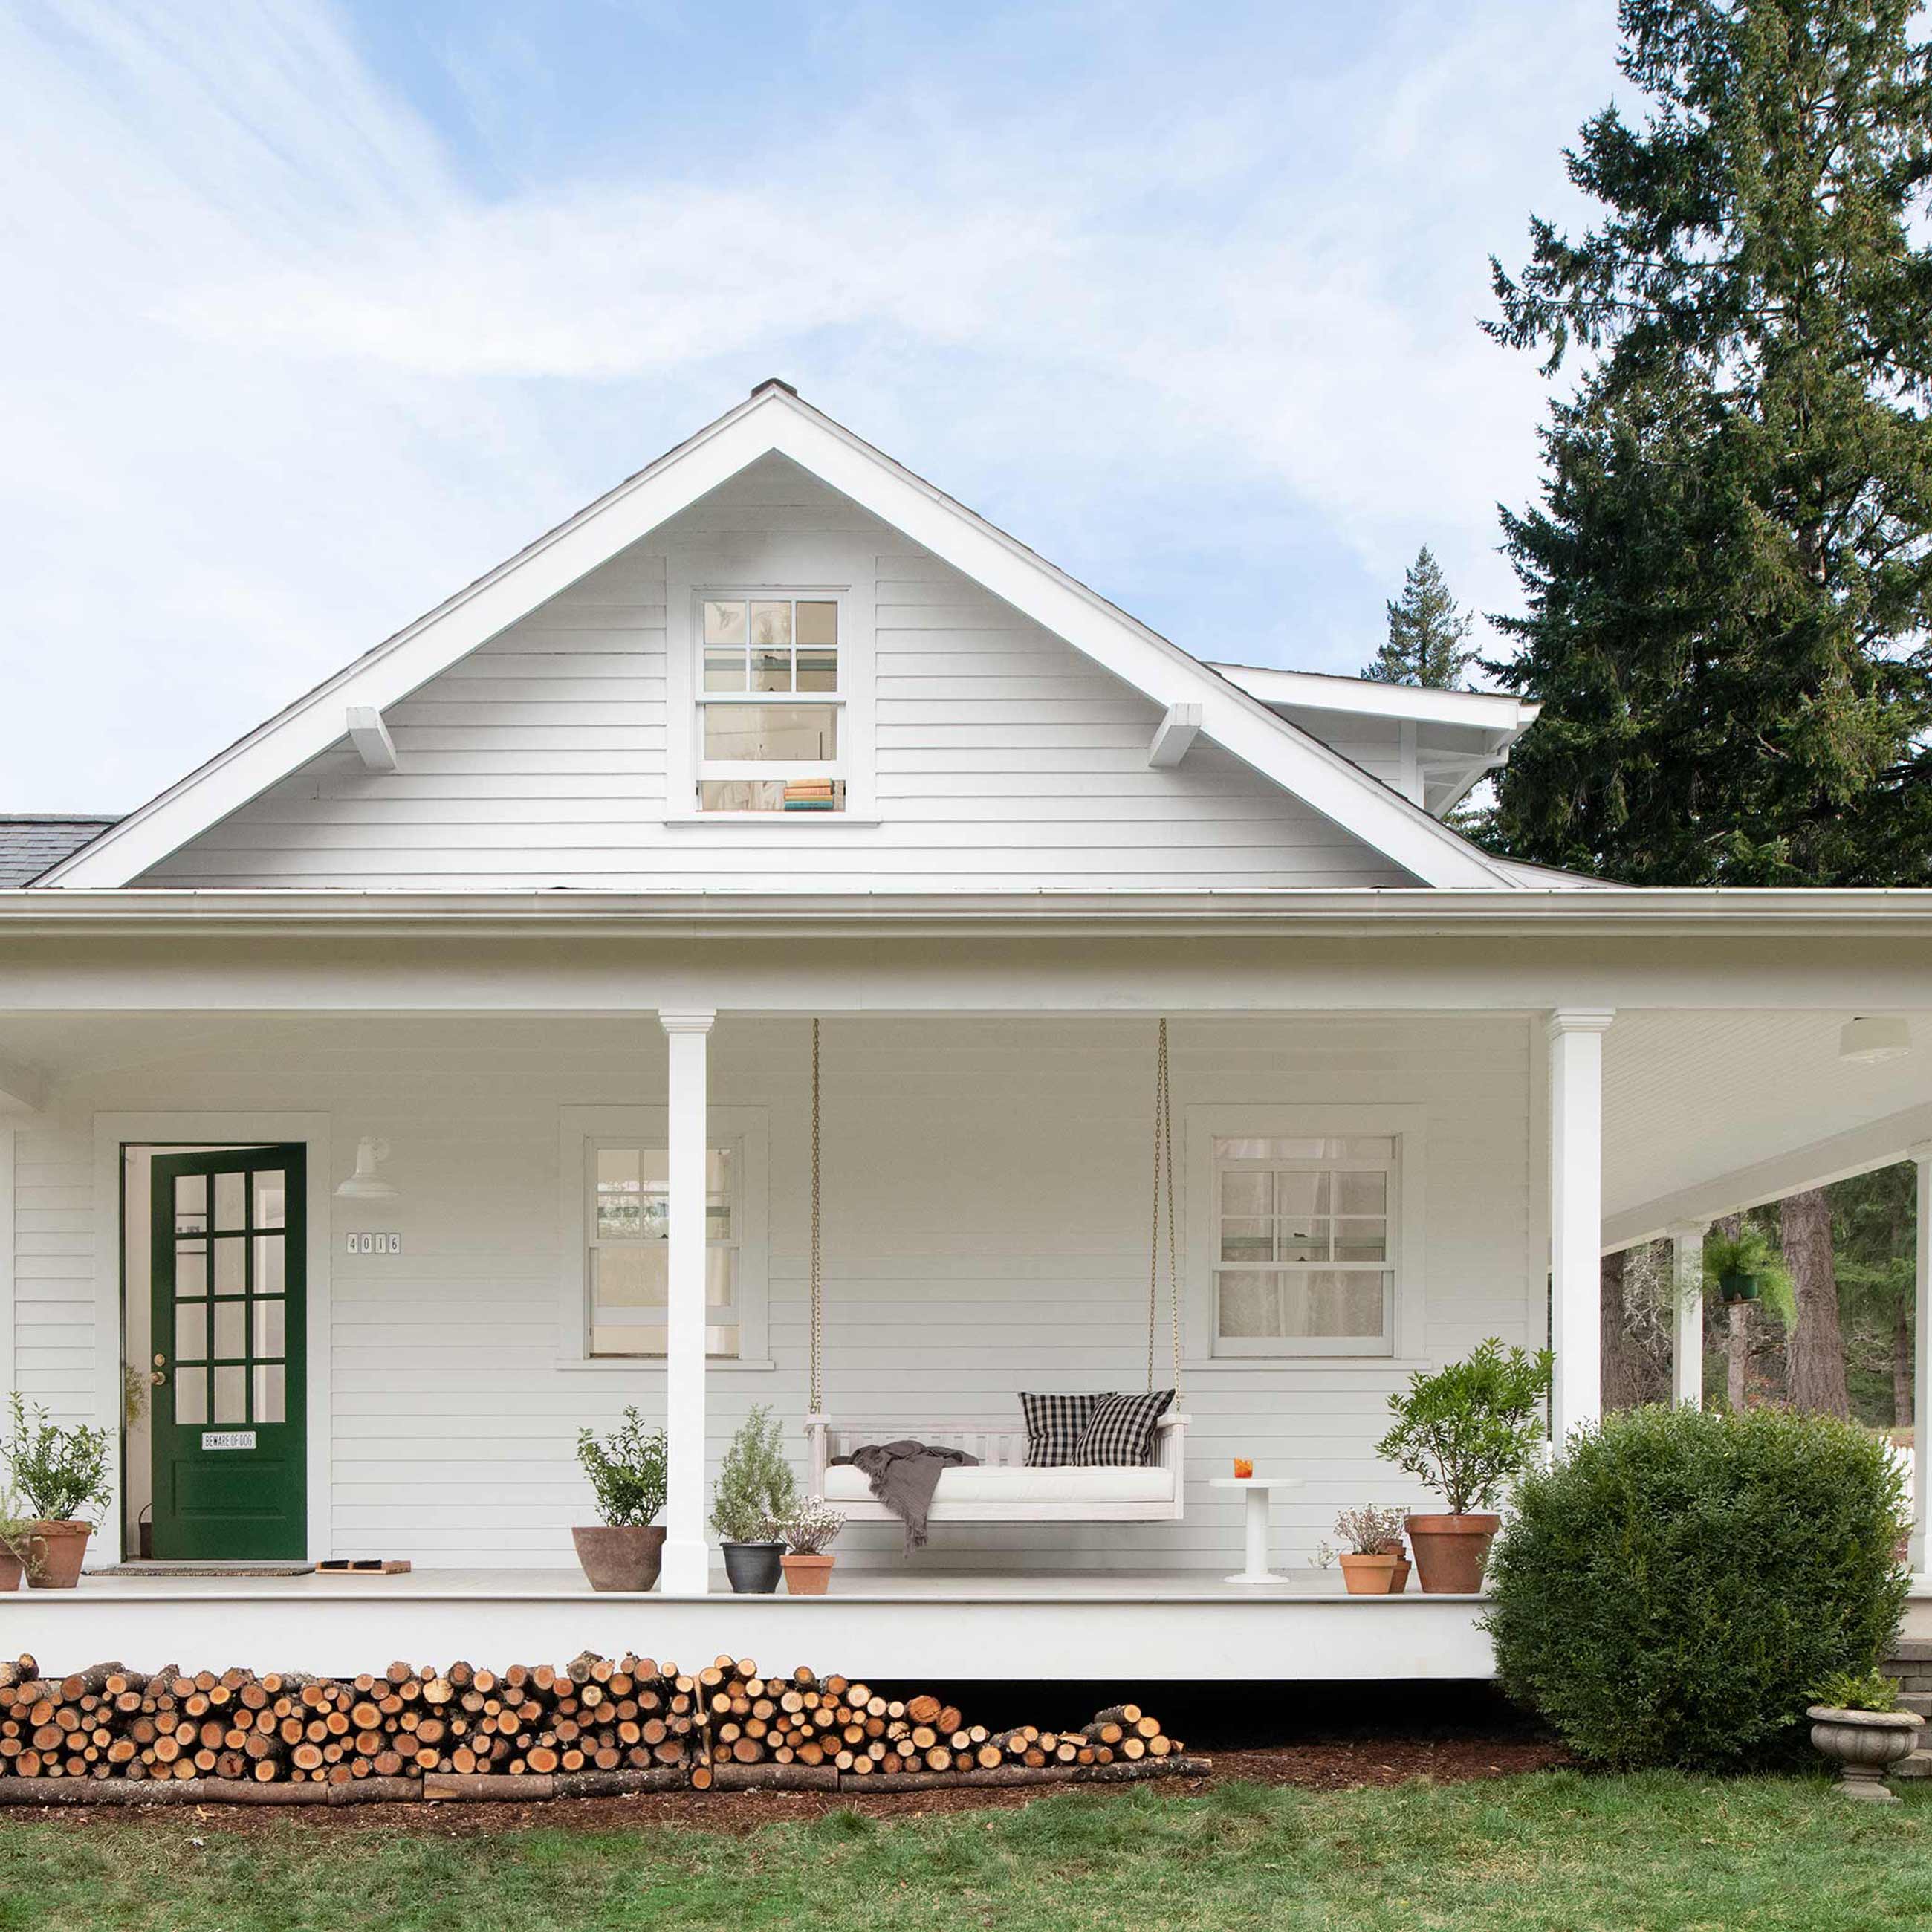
{"x":190,"y":1269}
{"x":231,"y":1265}
{"x":231,"y":1330}
{"x":270,"y":1326}
{"x":191,"y":1332}
{"x":269,"y":1250}
{"x":800,"y":734}
{"x":231,"y":1395}
{"x":231,"y":1200}
{"x":271,"y":1200}
{"x":191,"y":1396}
{"x":268,"y":1407}
{"x":724,"y":622}
{"x":190,"y":1202}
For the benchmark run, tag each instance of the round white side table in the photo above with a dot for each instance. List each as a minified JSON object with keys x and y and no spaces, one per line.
{"x":1258,"y":1488}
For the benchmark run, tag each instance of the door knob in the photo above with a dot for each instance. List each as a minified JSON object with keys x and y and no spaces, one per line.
{"x":156,"y":1376}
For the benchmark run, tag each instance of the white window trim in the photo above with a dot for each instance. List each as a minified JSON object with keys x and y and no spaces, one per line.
{"x":746,"y":1130}
{"x":688,"y":581}
{"x":1295,"y":1120}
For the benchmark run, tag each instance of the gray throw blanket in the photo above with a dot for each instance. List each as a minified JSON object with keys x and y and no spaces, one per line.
{"x":903,"y":1476}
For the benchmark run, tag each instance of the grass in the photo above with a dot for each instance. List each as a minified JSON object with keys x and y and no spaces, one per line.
{"x":1557,"y":1850}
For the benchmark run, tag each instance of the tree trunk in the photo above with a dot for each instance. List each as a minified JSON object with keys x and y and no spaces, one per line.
{"x":1901,"y":1367}
{"x":1737,"y":1354}
{"x":1815,"y":1355}
{"x":1623,"y":1364}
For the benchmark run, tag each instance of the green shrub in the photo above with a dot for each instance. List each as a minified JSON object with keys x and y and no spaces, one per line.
{"x":1469,"y":1429}
{"x":628,"y":1471}
{"x":61,"y":1474}
{"x":756,"y":1489}
{"x":1671,"y":1589}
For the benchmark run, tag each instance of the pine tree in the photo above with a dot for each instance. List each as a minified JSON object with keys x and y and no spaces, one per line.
{"x":1426,"y":632}
{"x":1729,"y":578}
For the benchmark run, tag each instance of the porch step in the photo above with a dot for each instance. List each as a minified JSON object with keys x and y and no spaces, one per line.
{"x":1918,"y":1701}
{"x":1919,"y":1764}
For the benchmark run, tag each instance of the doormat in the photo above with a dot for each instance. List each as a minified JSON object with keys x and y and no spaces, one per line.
{"x":156,"y":1567}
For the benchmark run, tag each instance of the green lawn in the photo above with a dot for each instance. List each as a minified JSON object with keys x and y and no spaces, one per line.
{"x":1556,"y":1850}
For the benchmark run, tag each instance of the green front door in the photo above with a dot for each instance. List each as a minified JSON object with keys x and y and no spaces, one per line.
{"x":230,"y":1412}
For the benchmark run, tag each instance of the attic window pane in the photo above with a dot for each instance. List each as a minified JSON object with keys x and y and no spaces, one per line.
{"x":796,"y":733}
{"x":771,"y":623}
{"x":771,"y":670}
{"x":724,"y":667}
{"x":724,"y":622}
{"x":818,"y":623}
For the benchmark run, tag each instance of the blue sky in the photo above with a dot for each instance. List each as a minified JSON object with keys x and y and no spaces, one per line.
{"x":327,"y":308}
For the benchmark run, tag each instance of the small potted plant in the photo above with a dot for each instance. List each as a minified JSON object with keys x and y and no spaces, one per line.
{"x":1373,"y":1564}
{"x":1744,"y":1267}
{"x":1856,"y":1723}
{"x":755,"y":1492}
{"x":627,"y":1471}
{"x":14,"y":1524}
{"x":809,"y":1532}
{"x":1466,"y":1430}
{"x":61,"y":1476}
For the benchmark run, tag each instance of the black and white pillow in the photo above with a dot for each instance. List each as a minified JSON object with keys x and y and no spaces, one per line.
{"x":1054,"y":1424}
{"x":1119,"y":1431}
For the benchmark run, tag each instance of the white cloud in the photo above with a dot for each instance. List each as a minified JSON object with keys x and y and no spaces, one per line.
{"x":282,"y":378}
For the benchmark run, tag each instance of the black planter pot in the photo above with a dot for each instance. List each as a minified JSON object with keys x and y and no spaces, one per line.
{"x":1739,"y":1287}
{"x":753,"y":1568}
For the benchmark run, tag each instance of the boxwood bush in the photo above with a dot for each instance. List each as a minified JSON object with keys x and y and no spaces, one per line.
{"x":1672,"y":1587}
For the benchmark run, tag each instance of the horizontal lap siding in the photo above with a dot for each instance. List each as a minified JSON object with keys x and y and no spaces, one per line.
{"x":1004,"y":759}
{"x":985,"y":1218}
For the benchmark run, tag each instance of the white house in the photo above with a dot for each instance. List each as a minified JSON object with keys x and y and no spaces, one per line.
{"x":527,"y":917}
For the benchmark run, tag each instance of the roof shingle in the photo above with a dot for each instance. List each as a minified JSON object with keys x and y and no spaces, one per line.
{"x":31,"y":842}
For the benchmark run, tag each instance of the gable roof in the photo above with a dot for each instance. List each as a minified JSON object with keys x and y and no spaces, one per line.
{"x":774,"y":418}
{"x":31,"y":842}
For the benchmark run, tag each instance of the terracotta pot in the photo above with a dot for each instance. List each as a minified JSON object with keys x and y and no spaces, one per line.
{"x":1451,"y":1550}
{"x":808,"y":1575}
{"x":753,"y":1568}
{"x":10,"y":1567}
{"x":625,"y":1558}
{"x":1401,"y":1583}
{"x":1863,"y":1745}
{"x":53,"y":1553}
{"x":1369,"y":1576}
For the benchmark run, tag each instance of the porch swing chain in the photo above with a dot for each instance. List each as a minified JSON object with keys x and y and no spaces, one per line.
{"x":817,"y":1273}
{"x":1163,"y":1170}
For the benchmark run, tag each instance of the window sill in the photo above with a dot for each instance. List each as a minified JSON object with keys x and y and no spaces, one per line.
{"x":1248,"y":1365}
{"x":631,"y":1365}
{"x":826,"y":820}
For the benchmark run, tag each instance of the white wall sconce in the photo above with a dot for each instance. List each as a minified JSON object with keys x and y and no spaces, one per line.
{"x":1869,"y":1041}
{"x":365,"y":1183}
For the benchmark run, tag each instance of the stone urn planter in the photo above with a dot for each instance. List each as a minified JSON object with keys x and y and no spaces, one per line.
{"x":620,"y":1558}
{"x":53,"y":1553}
{"x":1451,"y":1551}
{"x":753,"y":1568}
{"x":1864,"y":1745}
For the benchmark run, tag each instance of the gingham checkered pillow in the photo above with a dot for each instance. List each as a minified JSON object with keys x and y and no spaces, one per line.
{"x":1054,"y":1424}
{"x":1119,"y":1431}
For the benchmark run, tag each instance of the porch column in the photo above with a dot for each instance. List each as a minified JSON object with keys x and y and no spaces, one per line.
{"x":1687,"y":1332}
{"x":1576,"y":1214}
{"x":1921,"y":1365}
{"x":687,"y":1556}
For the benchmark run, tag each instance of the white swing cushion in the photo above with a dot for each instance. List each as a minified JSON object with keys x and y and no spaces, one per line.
{"x":997,"y":1484}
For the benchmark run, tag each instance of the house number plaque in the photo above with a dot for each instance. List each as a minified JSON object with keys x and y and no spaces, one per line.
{"x":228,"y":1438}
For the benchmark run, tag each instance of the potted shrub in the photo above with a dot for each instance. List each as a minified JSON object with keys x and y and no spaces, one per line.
{"x":1744,"y":1267}
{"x":1373,"y":1564}
{"x":1467,"y":1430}
{"x":809,"y":1531}
{"x":756,"y":1491}
{"x":61,"y":1476}
{"x":627,"y":1470}
{"x":13,"y":1526}
{"x":1857,"y":1724}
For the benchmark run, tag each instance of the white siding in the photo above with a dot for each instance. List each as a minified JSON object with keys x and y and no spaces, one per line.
{"x":985,"y":1226}
{"x":1005,"y":758}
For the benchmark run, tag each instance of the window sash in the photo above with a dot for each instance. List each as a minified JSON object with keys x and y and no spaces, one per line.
{"x":649,"y":1322}
{"x":776,"y":770}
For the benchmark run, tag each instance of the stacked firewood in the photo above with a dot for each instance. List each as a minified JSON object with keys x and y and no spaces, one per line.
{"x":111,"y":1722}
{"x":594,"y":1725}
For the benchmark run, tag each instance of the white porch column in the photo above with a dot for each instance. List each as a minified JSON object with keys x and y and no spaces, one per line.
{"x":1922,"y":1366}
{"x":687,"y":1555}
{"x":1687,"y":1332}
{"x":1576,"y":1214}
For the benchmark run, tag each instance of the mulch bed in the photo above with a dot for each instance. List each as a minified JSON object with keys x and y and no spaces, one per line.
{"x":1339,"y":1765}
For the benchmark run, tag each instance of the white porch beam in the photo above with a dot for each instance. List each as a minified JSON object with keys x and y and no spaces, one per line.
{"x":1922,"y":1366}
{"x":687,"y":1555}
{"x":23,"y":1089}
{"x":370,"y":737}
{"x":1174,"y":736}
{"x":1686,"y":1303}
{"x":1576,"y":1214}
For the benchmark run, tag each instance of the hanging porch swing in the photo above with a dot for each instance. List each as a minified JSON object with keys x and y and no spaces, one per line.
{"x":1002,"y":1488}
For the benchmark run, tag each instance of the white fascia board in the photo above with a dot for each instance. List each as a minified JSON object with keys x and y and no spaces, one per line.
{"x":1364,"y":697}
{"x":774,"y":419}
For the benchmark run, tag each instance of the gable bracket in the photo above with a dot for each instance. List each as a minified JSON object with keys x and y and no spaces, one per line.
{"x":370,"y":737}
{"x":1174,"y":736}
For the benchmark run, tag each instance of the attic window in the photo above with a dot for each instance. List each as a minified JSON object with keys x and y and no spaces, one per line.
{"x":771,"y":705}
